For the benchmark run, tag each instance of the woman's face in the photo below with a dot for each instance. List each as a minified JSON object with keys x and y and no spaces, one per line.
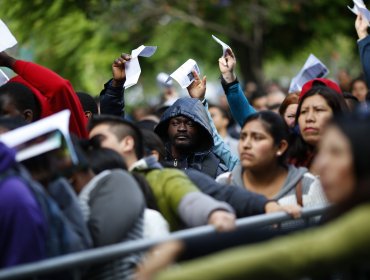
{"x":289,"y":115}
{"x":335,"y":165}
{"x":359,"y":90}
{"x":315,"y":114}
{"x":256,"y":146}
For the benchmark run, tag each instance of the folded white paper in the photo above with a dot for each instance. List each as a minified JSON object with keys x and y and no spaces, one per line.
{"x":7,"y":39}
{"x":359,"y":7}
{"x":132,"y":67}
{"x":313,"y":68}
{"x":3,"y":78}
{"x":183,"y":75}
{"x":223,"y":45}
{"x":57,"y":122}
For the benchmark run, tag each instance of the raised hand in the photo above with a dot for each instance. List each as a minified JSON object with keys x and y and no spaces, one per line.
{"x":197,"y":89}
{"x":361,"y":26}
{"x":118,"y":70}
{"x":227,"y":65}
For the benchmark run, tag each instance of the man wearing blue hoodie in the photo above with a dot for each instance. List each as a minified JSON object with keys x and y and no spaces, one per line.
{"x":187,"y":134}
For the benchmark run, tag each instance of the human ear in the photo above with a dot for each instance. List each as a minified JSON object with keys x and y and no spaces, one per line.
{"x":283,"y":146}
{"x":28,"y":115}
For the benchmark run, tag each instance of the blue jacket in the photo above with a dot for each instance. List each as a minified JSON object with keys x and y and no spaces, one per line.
{"x":364,"y":49}
{"x":203,"y":159}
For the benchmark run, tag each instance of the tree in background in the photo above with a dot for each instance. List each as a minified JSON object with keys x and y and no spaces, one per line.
{"x":79,"y":38}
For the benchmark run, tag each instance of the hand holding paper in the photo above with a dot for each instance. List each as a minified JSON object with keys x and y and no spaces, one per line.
{"x":7,"y":39}
{"x":132,"y":67}
{"x":197,"y":89}
{"x":360,"y":8}
{"x":183,"y":75}
{"x":313,"y":68}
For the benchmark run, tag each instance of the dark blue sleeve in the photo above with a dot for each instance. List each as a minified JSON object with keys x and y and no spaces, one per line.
{"x":112,"y":101}
{"x":239,"y":105}
{"x":364,"y":49}
{"x":245,"y":203}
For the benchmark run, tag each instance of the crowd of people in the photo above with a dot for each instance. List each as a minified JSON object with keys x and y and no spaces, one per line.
{"x":189,"y":163}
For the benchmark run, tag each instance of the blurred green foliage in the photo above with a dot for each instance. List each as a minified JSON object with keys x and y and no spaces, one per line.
{"x":80,"y":38}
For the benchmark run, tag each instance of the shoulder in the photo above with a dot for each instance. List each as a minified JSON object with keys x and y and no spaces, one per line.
{"x":15,"y":193}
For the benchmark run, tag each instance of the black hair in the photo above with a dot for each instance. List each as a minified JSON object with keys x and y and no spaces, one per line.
{"x":275,"y":126}
{"x":23,"y":98}
{"x":88,"y":102}
{"x":351,"y":100}
{"x":300,"y":152}
{"x":225,"y":113}
{"x":121,"y":129}
{"x":153,"y":142}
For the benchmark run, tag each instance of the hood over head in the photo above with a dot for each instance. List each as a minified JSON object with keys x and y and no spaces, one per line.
{"x":193,"y":109}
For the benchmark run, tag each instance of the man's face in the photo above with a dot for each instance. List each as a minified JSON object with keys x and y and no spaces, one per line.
{"x":8,"y":108}
{"x":182,"y":132}
{"x":109,"y":139}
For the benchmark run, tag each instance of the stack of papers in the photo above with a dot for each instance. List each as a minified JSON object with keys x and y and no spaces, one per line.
{"x":3,"y":78}
{"x":7,"y":39}
{"x":313,"y":68}
{"x":132,"y":67}
{"x":360,"y":8}
{"x":41,"y":137}
{"x":223,"y":45}
{"x":183,"y":75}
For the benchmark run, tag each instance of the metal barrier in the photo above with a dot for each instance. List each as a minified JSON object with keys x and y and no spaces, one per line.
{"x":72,"y":262}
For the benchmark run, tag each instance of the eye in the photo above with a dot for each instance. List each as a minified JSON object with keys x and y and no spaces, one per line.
{"x":190,"y":123}
{"x":174,"y":123}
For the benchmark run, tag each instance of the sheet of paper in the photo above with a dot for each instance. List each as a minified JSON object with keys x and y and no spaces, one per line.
{"x":7,"y":39}
{"x":56,"y":122}
{"x":223,"y":45}
{"x":359,"y":7}
{"x":183,"y":75}
{"x":3,"y":78}
{"x":313,"y":68}
{"x":132,"y":67}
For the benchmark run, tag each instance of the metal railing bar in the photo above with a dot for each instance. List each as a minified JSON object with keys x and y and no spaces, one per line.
{"x":107,"y":253}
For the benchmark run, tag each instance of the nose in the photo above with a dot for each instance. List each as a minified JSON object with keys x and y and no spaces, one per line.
{"x":310,"y":116}
{"x":246,"y":143}
{"x":181,"y":126}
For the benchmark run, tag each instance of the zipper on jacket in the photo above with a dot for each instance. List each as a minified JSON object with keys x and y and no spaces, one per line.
{"x":175,"y":162}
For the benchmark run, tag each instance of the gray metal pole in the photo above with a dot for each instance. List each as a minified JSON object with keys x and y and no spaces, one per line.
{"x":107,"y":253}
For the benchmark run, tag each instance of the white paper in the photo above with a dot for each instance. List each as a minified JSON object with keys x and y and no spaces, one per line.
{"x":359,"y":7}
{"x":3,"y":78}
{"x":7,"y":39}
{"x":132,"y":67}
{"x":183,"y":75}
{"x":56,"y":122}
{"x":313,"y":68}
{"x":223,"y":45}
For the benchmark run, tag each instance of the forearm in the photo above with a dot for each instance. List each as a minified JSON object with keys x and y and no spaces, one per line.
{"x":112,"y":101}
{"x":220,"y":148}
{"x":239,"y":105}
{"x":364,"y":50}
{"x":196,"y":207}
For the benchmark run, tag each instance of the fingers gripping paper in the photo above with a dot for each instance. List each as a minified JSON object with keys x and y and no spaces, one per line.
{"x":360,"y":8}
{"x":132,"y":67}
{"x":183,"y":75}
{"x":7,"y":39}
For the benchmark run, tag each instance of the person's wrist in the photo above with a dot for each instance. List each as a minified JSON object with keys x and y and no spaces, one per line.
{"x":362,"y":35}
{"x":229,"y":77}
{"x":117,"y":83}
